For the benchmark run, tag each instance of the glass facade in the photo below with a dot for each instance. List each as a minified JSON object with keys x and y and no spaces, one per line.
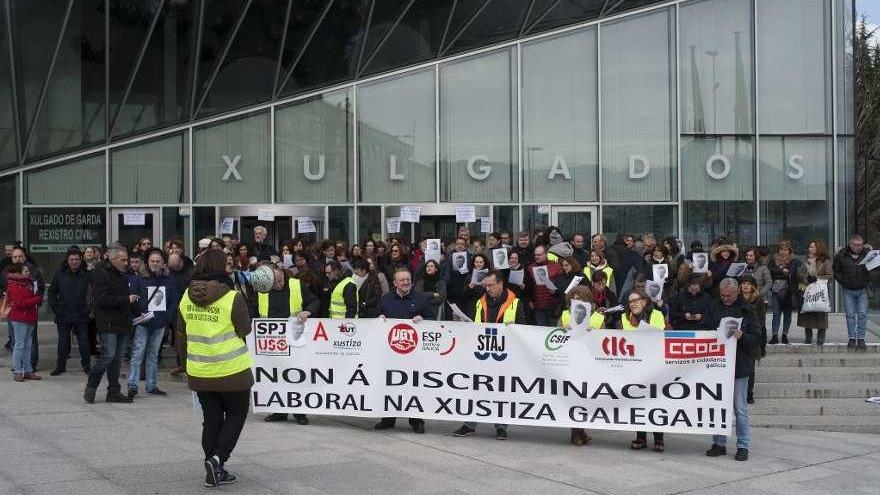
{"x":693,"y":118}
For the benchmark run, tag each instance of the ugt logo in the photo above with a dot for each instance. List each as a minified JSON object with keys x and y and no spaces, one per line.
{"x":403,"y":338}
{"x":490,"y":344}
{"x":612,"y":346}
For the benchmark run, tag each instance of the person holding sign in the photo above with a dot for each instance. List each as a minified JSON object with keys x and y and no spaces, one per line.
{"x":723,"y":254}
{"x":540,"y":277}
{"x":598,"y":263}
{"x":688,"y":308}
{"x":730,"y":305}
{"x":787,"y":273}
{"x":657,"y":265}
{"x":639,"y":313}
{"x":456,"y":272}
{"x":604,"y":298}
{"x":499,"y":305}
{"x":818,"y":267}
{"x":571,"y":271}
{"x":852,"y":273}
{"x":474,"y":289}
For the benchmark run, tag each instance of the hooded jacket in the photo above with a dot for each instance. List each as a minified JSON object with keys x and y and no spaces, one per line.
{"x":685,"y":302}
{"x":68,"y":293}
{"x":717,"y":266}
{"x":20,"y":294}
{"x":203,"y":293}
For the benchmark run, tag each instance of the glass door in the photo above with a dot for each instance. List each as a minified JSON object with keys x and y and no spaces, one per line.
{"x":130,"y":225}
{"x":572,"y":220}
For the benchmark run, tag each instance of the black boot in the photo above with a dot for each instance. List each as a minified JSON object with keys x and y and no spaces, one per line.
{"x":808,"y":336}
{"x":89,"y":395}
{"x":820,"y":337}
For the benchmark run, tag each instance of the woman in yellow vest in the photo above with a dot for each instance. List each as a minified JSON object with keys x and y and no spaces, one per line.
{"x":579,"y":436}
{"x":598,"y":263}
{"x":212,"y":323}
{"x":640,"y":310}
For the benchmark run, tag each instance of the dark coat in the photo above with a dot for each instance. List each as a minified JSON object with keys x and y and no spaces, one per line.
{"x":67,"y":295}
{"x":415,"y":303}
{"x":847,"y":270}
{"x":113,"y":311}
{"x":369,"y":294}
{"x":685,"y":302}
{"x":748,"y":347}
{"x":146,"y":287}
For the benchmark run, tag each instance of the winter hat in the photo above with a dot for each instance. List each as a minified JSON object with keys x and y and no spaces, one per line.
{"x":204,"y":243}
{"x":555,"y":237}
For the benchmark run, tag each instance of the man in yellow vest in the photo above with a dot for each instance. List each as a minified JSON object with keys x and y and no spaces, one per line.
{"x":498,"y":305}
{"x":289,"y":297}
{"x":343,"y":291}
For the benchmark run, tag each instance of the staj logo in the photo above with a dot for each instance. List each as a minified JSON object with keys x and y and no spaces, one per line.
{"x":491,"y":344}
{"x":614,"y":346}
{"x":403,"y":338}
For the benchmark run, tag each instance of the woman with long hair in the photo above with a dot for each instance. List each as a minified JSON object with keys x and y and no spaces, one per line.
{"x":430,"y":280}
{"x":785,"y":270}
{"x":24,"y":300}
{"x":817,"y":266}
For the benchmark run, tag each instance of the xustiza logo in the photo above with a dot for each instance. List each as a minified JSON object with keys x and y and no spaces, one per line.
{"x":403,"y":338}
{"x":491,"y":344}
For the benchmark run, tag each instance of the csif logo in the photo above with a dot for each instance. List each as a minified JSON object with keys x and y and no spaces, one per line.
{"x":491,"y":344}
{"x":614,"y":346}
{"x":556,"y":339}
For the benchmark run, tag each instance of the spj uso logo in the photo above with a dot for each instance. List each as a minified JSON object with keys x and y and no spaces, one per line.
{"x":271,"y":338}
{"x":491,"y":344}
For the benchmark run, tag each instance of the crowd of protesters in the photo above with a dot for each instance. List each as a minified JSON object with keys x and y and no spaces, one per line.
{"x":126,"y":300}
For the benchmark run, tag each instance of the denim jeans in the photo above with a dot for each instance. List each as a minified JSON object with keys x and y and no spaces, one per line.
{"x":780,"y":309}
{"x":112,"y":349}
{"x":34,"y":347}
{"x":856,"y":304}
{"x":81,"y":330}
{"x":21,"y":346}
{"x":146,"y":342}
{"x":741,"y":411}
{"x":473,"y":425}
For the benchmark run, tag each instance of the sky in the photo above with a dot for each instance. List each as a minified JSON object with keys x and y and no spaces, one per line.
{"x":871,"y":10}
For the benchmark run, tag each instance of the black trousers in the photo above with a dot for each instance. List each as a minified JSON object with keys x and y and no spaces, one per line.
{"x":412,"y":421}
{"x":224,"y":417}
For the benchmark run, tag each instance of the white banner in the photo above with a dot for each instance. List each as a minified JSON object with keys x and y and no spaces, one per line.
{"x":673,"y":381}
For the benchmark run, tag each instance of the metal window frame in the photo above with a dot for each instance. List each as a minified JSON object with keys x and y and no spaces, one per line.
{"x":13,"y":79}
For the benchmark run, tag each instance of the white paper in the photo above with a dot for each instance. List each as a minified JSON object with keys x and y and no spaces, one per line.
{"x":871,"y":260}
{"x":458,"y":314}
{"x":499,"y":259}
{"x":392,"y":225}
{"x":265,"y":215}
{"x":727,"y":326}
{"x":485,"y":225}
{"x":157,"y":297}
{"x":432,"y":249}
{"x":459,"y":262}
{"x":410,"y":213}
{"x":614,"y":309}
{"x":134,"y":218}
{"x":305,"y":225}
{"x":143,"y":318}
{"x":873,"y":400}
{"x":197,"y":405}
{"x":660,"y":272}
{"x":516,"y":277}
{"x":287,"y":261}
{"x":478,"y":275}
{"x":574,"y":283}
{"x":644,"y":325}
{"x":701,"y":262}
{"x":736,"y":269}
{"x":226,"y":225}
{"x":580,"y":314}
{"x":654,"y":290}
{"x":465,"y":213}
{"x":542,"y":277}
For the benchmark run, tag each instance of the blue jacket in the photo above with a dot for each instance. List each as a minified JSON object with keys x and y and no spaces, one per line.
{"x":415,"y":303}
{"x":167,"y":296}
{"x":67,"y":295}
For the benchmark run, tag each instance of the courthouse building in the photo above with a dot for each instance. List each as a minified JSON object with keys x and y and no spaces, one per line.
{"x":178,"y":118}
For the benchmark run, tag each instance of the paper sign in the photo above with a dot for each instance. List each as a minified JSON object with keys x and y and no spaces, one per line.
{"x":478,"y":275}
{"x":736,"y":269}
{"x":579,"y":315}
{"x":432,"y":249}
{"x":499,"y":259}
{"x":516,"y":277}
{"x":392,"y":225}
{"x":305,"y":225}
{"x":411,"y":214}
{"x":459,"y":262}
{"x":134,"y":218}
{"x":287,"y":261}
{"x":465,"y":213}
{"x":458,"y":314}
{"x":265,"y":215}
{"x":654,"y":290}
{"x":485,"y":225}
{"x":542,"y":277}
{"x":701,"y":262}
{"x":226,"y":225}
{"x":727,"y":326}
{"x":660,"y":272}
{"x":614,"y":309}
{"x":157,"y":298}
{"x":871,"y":260}
{"x":574,"y":283}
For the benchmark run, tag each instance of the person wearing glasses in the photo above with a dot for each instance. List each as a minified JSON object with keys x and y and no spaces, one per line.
{"x":115,"y":305}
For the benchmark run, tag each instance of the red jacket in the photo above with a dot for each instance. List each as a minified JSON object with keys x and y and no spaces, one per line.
{"x":20,"y":294}
{"x":542,"y":297}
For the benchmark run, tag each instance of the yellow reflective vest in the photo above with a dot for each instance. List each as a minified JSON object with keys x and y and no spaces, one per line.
{"x":337,"y":298}
{"x":213,"y":349}
{"x":597,"y":319}
{"x":609,"y":274}
{"x":506,"y":313}
{"x":296,"y":299}
{"x":655,"y":320}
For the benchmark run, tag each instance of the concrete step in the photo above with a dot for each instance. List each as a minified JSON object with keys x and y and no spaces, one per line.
{"x":825,"y":349}
{"x":846,"y":374}
{"x":830,"y":390}
{"x":819,"y":360}
{"x":854,"y":424}
{"x":815,"y":407}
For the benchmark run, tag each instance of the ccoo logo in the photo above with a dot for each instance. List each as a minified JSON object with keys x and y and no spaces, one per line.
{"x":613,"y":346}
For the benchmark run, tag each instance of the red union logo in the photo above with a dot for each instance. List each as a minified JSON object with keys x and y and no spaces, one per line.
{"x":403,"y":338}
{"x":693,"y":348}
{"x":612,"y":346}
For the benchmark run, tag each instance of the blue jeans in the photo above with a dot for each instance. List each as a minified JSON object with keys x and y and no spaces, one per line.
{"x":741,"y":411}
{"x":856,"y":304}
{"x":35,"y":347}
{"x":112,"y":349}
{"x":780,"y":308}
{"x":81,"y":330}
{"x":146,"y":341}
{"x":21,"y":346}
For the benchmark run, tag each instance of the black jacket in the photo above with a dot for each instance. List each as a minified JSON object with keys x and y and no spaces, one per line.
{"x":113,"y":311}
{"x":748,"y":347}
{"x":415,"y":303}
{"x":67,"y":295}
{"x":847,"y":270}
{"x":685,"y":302}
{"x":368,"y":297}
